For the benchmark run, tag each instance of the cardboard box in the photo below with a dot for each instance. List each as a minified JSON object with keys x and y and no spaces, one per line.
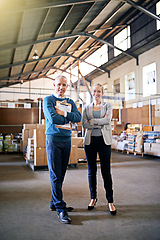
{"x":157,"y":120}
{"x":157,"y":128}
{"x":155,"y":151}
{"x":40,"y":157}
{"x":25,"y":134}
{"x":155,"y":145}
{"x":122,"y":145}
{"x":147,"y":128}
{"x":81,"y":153}
{"x":147,"y":145}
{"x":31,"y":133}
{"x":114,"y":143}
{"x":139,"y":142}
{"x":147,"y":148}
{"x":39,"y":138}
{"x":41,"y":126}
{"x":77,"y":141}
{"x":73,"y":156}
{"x":29,"y":126}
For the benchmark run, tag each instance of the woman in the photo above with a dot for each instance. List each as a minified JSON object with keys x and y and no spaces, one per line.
{"x":98,"y":138}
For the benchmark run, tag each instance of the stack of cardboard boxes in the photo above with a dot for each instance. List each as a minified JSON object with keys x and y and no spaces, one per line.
{"x":40,"y":157}
{"x":152,"y":141}
{"x":77,"y":150}
{"x":152,"y":148}
{"x":117,"y":127}
{"x":131,"y":142}
{"x":34,"y":143}
{"x":139,"y":142}
{"x":27,"y":132}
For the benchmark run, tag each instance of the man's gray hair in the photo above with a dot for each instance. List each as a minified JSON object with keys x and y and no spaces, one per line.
{"x":60,"y":76}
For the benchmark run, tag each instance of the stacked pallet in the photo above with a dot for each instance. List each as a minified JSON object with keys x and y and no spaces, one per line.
{"x":152,"y":142}
{"x":131,"y":143}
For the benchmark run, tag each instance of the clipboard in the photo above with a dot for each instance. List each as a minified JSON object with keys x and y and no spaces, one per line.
{"x":66,"y":107}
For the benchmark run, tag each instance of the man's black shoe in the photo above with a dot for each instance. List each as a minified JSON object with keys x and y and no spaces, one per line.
{"x":63,"y":217}
{"x":69,"y":209}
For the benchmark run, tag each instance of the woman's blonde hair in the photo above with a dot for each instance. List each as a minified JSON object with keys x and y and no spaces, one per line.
{"x":100,"y":85}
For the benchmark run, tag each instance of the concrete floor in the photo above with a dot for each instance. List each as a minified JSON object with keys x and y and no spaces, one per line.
{"x":25,"y":196}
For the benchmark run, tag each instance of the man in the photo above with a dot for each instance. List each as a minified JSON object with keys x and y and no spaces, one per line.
{"x":58,"y":142}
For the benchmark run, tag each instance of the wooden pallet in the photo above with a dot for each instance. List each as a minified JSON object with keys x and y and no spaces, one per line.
{"x":135,"y":153}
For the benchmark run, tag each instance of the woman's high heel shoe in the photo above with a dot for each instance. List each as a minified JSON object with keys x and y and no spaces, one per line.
{"x":113,"y":212}
{"x":92,"y":204}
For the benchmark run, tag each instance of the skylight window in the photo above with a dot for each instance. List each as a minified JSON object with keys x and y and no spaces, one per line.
{"x":98,"y":58}
{"x":122,"y":41}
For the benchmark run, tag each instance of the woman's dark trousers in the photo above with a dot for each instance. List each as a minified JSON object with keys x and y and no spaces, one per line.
{"x":97,"y":145}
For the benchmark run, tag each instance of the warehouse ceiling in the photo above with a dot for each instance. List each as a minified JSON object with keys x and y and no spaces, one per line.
{"x":61,"y":33}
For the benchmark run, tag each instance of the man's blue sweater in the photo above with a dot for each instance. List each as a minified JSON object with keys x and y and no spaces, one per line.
{"x":58,"y":134}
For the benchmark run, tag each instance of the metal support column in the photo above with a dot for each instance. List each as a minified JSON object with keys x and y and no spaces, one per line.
{"x":40,"y":111}
{"x":78,"y":83}
{"x":150,"y":112}
{"x":119,"y":113}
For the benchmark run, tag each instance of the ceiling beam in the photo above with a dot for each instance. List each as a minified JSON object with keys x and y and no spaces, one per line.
{"x":49,"y":57}
{"x":52,"y":4}
{"x":31,"y":61}
{"x":39,"y":41}
{"x":142,"y":9}
{"x":85,"y":34}
{"x":111,"y":14}
{"x":16,"y":77}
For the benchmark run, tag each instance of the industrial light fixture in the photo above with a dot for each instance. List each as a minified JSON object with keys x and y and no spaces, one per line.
{"x":35,"y":55}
